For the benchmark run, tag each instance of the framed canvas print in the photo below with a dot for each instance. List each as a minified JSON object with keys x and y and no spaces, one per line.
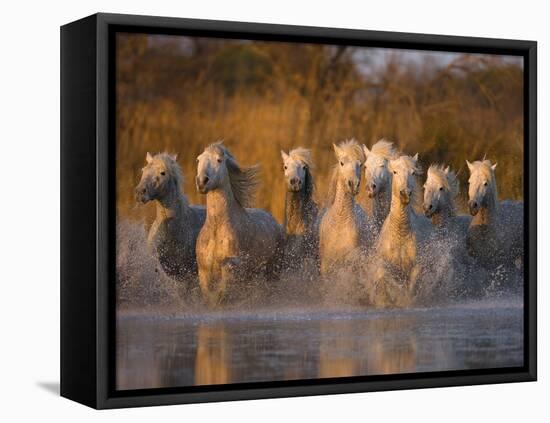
{"x":255,"y":211}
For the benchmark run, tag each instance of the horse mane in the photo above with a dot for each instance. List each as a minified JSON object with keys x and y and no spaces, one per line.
{"x":353,"y":149}
{"x":384,"y":149}
{"x":303,"y":155}
{"x":244,"y":181}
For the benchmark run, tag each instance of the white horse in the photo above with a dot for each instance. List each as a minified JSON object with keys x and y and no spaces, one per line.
{"x":173,"y":234}
{"x":402,"y":236}
{"x":447,"y":259}
{"x":378,"y":181}
{"x":301,"y":211}
{"x":440,"y":192}
{"x":495,"y":235}
{"x":345,"y":229}
{"x":236,"y":243}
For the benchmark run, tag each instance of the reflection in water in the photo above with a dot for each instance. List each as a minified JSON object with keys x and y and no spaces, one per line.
{"x":235,"y":347}
{"x":212,"y":364}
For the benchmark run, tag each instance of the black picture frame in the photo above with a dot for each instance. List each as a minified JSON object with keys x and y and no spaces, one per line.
{"x":88,"y":214}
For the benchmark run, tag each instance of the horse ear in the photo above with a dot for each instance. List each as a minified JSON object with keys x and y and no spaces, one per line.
{"x":148,"y":157}
{"x":174,"y":156}
{"x":447,"y":170}
{"x":365,"y":150}
{"x":494,"y":166}
{"x":337,"y":149}
{"x":470,"y":166}
{"x":415,"y":157}
{"x":284,"y":155}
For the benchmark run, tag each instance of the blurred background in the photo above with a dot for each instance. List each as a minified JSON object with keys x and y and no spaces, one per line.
{"x":179,"y":94}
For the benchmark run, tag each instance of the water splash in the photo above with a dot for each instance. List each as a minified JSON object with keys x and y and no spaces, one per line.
{"x":447,"y":276}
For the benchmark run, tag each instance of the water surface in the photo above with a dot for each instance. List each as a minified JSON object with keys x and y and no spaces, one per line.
{"x":228,"y":347}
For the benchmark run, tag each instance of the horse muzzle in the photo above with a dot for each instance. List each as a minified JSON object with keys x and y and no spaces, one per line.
{"x":141,"y":195}
{"x":353,"y":187}
{"x":202,"y":184}
{"x":474,"y":207}
{"x":405,"y":196}
{"x":294,"y":185}
{"x":429,"y":210}
{"x":372,"y":190}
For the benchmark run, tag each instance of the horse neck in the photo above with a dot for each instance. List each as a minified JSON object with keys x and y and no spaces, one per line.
{"x":173,"y":205}
{"x":343,"y":201}
{"x":299,"y":209}
{"x":221,"y":204}
{"x":399,"y":218}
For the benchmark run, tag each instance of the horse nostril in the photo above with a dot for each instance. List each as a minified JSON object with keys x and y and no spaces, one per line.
{"x":349,"y":184}
{"x":475,"y":203}
{"x":205,"y":180}
{"x":374,"y":185}
{"x":294,"y":181}
{"x":430,"y":207}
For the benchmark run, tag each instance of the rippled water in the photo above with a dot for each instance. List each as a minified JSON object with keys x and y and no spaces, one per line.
{"x":264,"y":345}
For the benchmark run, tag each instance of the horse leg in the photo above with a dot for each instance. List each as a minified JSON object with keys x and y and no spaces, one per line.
{"x":228,"y":276}
{"x":205,"y":282}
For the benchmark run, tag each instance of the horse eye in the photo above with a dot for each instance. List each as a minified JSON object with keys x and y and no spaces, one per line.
{"x":395,"y":172}
{"x":286,"y":167}
{"x":304,"y":167}
{"x":341,"y":163}
{"x":440,"y":188}
{"x":485,"y":183}
{"x":219,"y":160}
{"x":163,"y":173}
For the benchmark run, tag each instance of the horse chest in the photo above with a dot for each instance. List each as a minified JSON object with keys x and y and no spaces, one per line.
{"x":339,"y":238}
{"x":215,"y":246}
{"x":399,"y":251}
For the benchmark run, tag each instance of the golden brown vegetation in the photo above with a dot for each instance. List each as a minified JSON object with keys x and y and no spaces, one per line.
{"x":179,"y":94}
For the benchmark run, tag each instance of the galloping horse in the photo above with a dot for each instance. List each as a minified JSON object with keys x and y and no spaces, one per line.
{"x":401,"y":235}
{"x":173,"y":234}
{"x":236,"y":242}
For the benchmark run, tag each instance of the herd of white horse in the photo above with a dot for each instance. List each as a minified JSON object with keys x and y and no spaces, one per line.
{"x":227,"y":244}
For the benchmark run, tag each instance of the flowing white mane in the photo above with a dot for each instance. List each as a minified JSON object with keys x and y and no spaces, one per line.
{"x":303,"y":155}
{"x":244,"y":180}
{"x":384,"y":149}
{"x":351,"y":148}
